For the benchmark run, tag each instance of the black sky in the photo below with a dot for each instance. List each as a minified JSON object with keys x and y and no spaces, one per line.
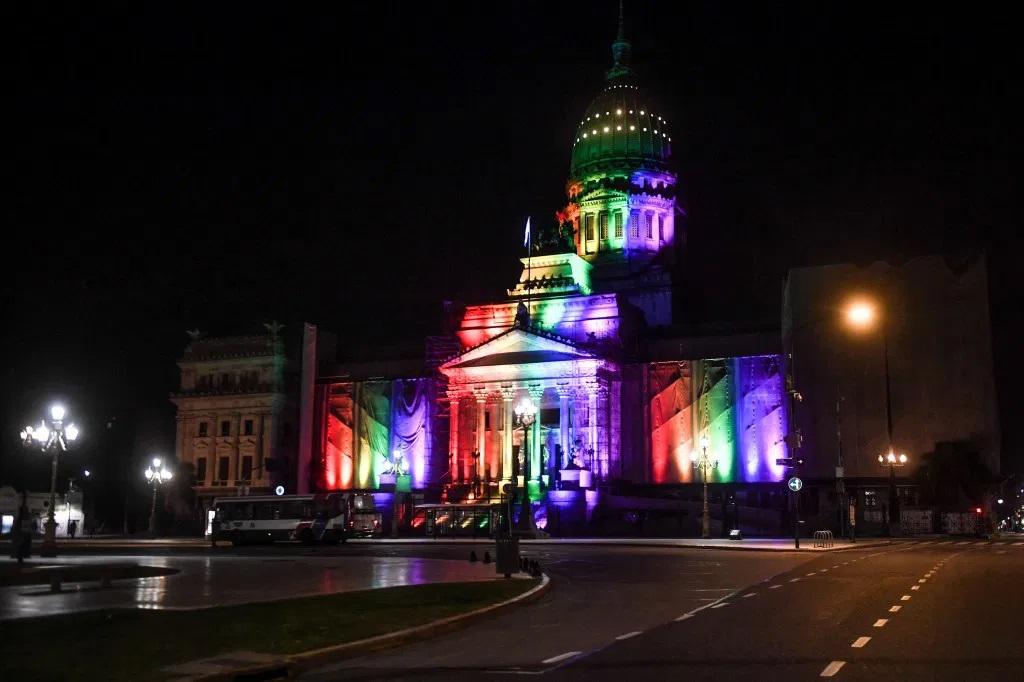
{"x":223,"y":166}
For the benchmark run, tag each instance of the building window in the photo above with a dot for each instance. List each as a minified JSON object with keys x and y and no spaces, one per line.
{"x":661,"y":229}
{"x":204,"y":429}
{"x":590,"y":227}
{"x":222,"y":469}
{"x":602,"y":223}
{"x":487,"y":421}
{"x":247,"y":468}
{"x":225,"y":428}
{"x":634,"y":225}
{"x":618,"y":224}
{"x":225,"y":379}
{"x":648,"y":225}
{"x":247,"y":427}
{"x":201,"y":470}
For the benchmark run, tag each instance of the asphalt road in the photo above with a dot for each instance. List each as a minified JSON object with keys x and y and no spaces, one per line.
{"x":937,"y":610}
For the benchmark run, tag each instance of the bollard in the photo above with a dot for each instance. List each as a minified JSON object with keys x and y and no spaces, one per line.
{"x":472,"y":556}
{"x":487,"y":557}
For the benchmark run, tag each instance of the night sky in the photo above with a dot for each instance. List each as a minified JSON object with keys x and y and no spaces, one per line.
{"x":219,"y":168}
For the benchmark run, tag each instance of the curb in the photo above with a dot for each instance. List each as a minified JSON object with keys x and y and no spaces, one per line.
{"x":289,"y":666}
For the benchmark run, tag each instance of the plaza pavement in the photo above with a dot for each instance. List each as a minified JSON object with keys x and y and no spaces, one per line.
{"x":204,"y":581}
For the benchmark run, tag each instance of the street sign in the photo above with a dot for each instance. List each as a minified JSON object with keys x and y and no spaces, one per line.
{"x":795,"y":484}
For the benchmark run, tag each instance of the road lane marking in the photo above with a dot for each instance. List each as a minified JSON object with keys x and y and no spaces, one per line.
{"x":836,"y":566}
{"x":832,"y":668}
{"x":880,"y":623}
{"x":811,"y":573}
{"x":905,"y":597}
{"x":750,"y":594}
{"x":630,"y":634}
{"x":860,"y":642}
{"x":794,"y":580}
{"x":560,"y":657}
{"x":720,"y":605}
{"x":774,"y":587}
{"x":895,"y":608}
{"x":923,"y":580}
{"x":824,"y":570}
{"x":915,"y":587}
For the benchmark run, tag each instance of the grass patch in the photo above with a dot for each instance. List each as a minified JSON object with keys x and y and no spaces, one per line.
{"x":132,"y":644}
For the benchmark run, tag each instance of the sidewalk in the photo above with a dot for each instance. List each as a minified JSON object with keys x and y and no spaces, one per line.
{"x":748,"y":544}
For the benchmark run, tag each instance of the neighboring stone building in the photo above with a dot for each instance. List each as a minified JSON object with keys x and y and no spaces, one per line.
{"x":932,"y":338}
{"x":236,"y":420}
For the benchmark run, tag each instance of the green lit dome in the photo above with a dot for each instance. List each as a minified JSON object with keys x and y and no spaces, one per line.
{"x":620,"y":130}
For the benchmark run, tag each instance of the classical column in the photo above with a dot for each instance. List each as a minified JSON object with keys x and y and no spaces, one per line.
{"x":481,"y":435}
{"x":507,"y":394}
{"x":453,"y":436}
{"x":603,"y":432}
{"x":564,"y":391}
{"x":536,"y":394}
{"x":592,"y":422}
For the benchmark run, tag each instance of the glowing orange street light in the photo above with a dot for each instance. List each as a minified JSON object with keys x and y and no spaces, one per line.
{"x":861,"y":314}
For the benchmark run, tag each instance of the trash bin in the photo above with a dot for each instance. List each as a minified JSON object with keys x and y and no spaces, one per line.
{"x":506,"y":556}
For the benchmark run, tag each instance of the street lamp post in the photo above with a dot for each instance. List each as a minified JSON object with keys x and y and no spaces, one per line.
{"x":157,"y":474}
{"x":704,"y":463}
{"x":525,"y":413}
{"x":892,"y":460}
{"x":52,"y":438}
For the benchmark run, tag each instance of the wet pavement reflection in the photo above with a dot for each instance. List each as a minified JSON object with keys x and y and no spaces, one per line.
{"x":226,"y":580}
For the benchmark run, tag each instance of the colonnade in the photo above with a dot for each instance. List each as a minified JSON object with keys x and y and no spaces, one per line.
{"x":488,"y":412}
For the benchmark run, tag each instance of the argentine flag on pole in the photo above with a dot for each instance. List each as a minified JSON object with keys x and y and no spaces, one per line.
{"x":526,"y":235}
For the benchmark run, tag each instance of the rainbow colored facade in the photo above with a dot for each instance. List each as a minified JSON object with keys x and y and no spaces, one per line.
{"x":580,"y":337}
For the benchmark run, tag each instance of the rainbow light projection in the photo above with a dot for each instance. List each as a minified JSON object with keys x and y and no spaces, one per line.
{"x":370,"y":420}
{"x":738,"y":403}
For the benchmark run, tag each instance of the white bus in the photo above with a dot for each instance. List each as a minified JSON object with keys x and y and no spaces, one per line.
{"x":271,"y":518}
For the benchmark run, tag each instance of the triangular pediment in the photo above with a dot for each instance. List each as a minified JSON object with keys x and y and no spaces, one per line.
{"x":517,"y":347}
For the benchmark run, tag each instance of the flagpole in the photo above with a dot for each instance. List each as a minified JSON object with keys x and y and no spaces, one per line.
{"x":528,"y":243}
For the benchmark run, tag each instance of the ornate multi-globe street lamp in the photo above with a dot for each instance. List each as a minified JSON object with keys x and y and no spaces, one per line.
{"x":892,"y":460}
{"x":525,"y":414}
{"x":51,"y":436}
{"x":704,"y":463}
{"x":157,"y":474}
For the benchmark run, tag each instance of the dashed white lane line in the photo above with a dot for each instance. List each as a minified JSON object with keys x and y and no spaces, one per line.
{"x":629,"y":635}
{"x":880,"y":623}
{"x":894,"y":608}
{"x":560,"y":657}
{"x":915,"y":587}
{"x":836,"y":566}
{"x":794,"y":580}
{"x":923,"y":580}
{"x":824,"y":570}
{"x":750,"y":594}
{"x":860,"y":642}
{"x":811,"y":573}
{"x":684,"y":617}
{"x":720,"y":605}
{"x":832,"y":668}
{"x":905,"y":597}
{"x":774,"y":587}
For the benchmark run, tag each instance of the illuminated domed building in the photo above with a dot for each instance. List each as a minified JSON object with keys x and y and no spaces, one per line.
{"x":570,"y":339}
